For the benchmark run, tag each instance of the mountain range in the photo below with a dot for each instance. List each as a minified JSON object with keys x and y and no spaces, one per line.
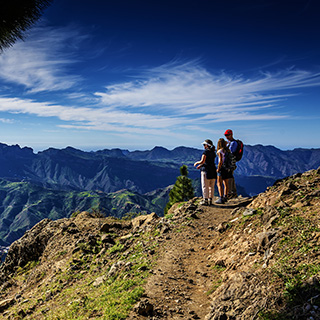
{"x":140,"y":171}
{"x":54,"y":183}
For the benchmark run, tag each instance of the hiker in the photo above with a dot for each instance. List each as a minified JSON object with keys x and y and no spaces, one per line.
{"x":232,"y":145}
{"x":208,"y":172}
{"x":223,"y":172}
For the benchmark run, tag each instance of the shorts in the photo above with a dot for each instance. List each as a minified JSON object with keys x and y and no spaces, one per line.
{"x":225,"y":174}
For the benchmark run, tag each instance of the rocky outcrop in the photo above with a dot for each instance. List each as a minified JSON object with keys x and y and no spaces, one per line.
{"x":30,"y":247}
{"x":299,"y":190}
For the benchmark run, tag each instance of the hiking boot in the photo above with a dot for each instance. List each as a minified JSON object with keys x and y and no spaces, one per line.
{"x":225,"y":199}
{"x":204,"y":202}
{"x":219,"y":201}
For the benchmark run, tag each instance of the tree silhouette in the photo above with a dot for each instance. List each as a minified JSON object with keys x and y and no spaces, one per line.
{"x":182,"y":189}
{"x":17,"y":16}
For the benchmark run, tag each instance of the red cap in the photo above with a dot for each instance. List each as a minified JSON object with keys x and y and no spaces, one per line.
{"x":229,"y":131}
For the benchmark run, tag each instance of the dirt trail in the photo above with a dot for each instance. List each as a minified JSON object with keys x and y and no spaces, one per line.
{"x":179,"y":286}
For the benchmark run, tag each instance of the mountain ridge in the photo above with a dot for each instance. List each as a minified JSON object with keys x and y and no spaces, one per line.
{"x":115,"y":169}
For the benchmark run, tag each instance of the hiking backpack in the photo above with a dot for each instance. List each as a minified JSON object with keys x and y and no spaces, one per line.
{"x":239,"y":151}
{"x":229,"y":161}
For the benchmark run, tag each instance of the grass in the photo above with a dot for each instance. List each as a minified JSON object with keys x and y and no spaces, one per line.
{"x":70,"y":293}
{"x":297,"y":262}
{"x":217,"y":280}
{"x":169,"y":216}
{"x":75,"y":298}
{"x":118,"y":247}
{"x":216,"y":284}
{"x":27,"y":268}
{"x":112,"y":300}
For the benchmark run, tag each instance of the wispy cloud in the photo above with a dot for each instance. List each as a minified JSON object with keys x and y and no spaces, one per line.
{"x":40,"y":63}
{"x":92,"y":118}
{"x":172,"y":99}
{"x":191,"y":89}
{"x":4,"y":120}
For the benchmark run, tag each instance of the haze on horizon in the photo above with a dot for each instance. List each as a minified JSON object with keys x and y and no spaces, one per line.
{"x":138,"y":74}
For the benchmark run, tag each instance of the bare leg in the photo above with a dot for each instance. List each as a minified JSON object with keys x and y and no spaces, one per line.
{"x":226,"y":187}
{"x":220,"y":187}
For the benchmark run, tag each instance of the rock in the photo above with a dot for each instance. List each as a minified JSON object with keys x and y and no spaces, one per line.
{"x":144,"y":308}
{"x":92,"y":240}
{"x":269,"y":215}
{"x":222,"y":227}
{"x":99,"y":281}
{"x":236,"y":211}
{"x":220,"y":263}
{"x":107,"y":238}
{"x":266,"y":239}
{"x":5,"y":304}
{"x":123,"y":239}
{"x":21,"y":313}
{"x":72,"y":228}
{"x":30,"y":246}
{"x":194,"y":215}
{"x":282,"y":204}
{"x":249,"y":212}
{"x":143,"y":220}
{"x":298,"y":205}
{"x":105,"y":227}
{"x":115,"y":268}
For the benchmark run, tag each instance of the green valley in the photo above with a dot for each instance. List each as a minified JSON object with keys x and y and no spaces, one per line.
{"x":23,"y":204}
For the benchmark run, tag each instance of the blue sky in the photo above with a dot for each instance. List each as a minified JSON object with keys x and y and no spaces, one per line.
{"x":138,"y":74}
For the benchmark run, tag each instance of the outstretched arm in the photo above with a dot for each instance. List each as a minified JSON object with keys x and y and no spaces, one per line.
{"x":198,"y":164}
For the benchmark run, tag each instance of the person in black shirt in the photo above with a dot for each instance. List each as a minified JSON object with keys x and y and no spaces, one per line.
{"x":208,"y":171}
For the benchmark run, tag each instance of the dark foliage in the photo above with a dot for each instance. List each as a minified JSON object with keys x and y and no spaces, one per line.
{"x":182,"y":189}
{"x":17,"y":16}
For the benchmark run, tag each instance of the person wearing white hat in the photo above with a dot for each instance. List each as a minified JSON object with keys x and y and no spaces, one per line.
{"x":208,"y":171}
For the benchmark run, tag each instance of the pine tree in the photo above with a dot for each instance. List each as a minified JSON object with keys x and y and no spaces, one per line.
{"x":182,"y":189}
{"x":17,"y":16}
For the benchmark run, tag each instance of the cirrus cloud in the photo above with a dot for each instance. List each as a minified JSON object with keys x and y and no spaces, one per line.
{"x":41,"y":63}
{"x":170,"y":99}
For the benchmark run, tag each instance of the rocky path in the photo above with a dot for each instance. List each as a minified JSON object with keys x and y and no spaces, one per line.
{"x":180,"y":285}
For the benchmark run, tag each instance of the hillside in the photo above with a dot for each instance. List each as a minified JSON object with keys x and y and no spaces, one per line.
{"x":23,"y":204}
{"x":248,"y":259}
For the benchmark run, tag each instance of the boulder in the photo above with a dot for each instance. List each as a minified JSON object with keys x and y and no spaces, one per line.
{"x":144,"y":220}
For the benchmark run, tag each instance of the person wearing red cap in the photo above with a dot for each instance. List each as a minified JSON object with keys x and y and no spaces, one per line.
{"x":232,"y":145}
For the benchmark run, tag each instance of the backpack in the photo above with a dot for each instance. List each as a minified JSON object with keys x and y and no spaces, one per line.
{"x":229,"y":162}
{"x":239,"y":151}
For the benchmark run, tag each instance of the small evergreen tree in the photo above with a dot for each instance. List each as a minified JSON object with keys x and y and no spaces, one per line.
{"x":182,"y":189}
